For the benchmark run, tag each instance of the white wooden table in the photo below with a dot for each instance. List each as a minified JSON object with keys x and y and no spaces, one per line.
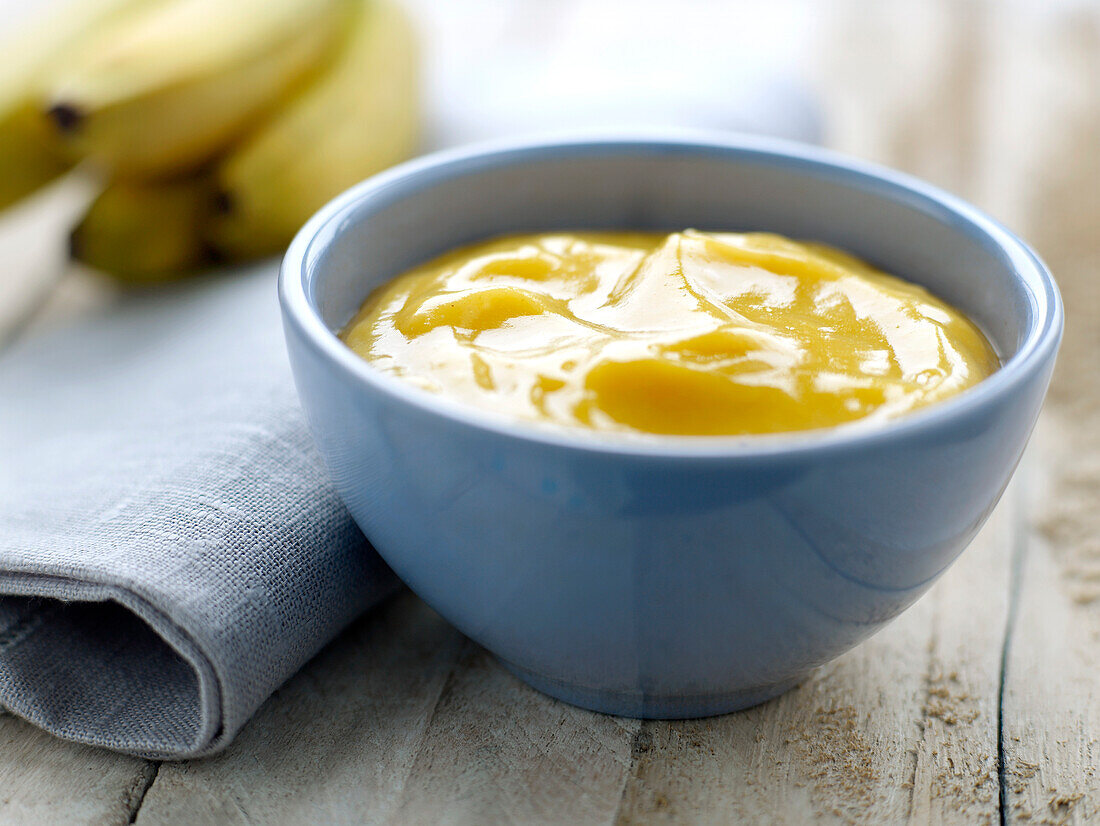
{"x":979,"y":705}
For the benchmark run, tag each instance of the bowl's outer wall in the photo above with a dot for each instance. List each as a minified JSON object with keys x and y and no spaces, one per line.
{"x":661,"y":577}
{"x":651,"y":574}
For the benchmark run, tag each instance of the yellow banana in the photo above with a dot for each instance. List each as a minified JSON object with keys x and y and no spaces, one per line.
{"x":145,"y":233}
{"x":170,"y":88}
{"x":361,"y":116}
{"x":29,"y":155}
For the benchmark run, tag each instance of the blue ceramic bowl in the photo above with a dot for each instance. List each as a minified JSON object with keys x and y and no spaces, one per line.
{"x":670,"y":576}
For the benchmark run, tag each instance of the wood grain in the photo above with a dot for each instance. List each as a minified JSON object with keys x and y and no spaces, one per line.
{"x":46,"y":781}
{"x":497,"y":751}
{"x":1052,"y":685}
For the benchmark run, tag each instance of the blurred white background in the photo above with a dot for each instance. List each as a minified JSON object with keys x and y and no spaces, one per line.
{"x":494,"y":68}
{"x":499,"y":67}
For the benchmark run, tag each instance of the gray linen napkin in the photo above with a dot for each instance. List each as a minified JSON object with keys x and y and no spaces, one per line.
{"x":170,"y":548}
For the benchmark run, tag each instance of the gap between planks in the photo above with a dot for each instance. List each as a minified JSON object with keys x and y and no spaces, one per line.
{"x":1041,"y":149}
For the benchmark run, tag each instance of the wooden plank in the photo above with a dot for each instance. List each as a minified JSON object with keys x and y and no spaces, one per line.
{"x":44,"y":780}
{"x":336,"y":743}
{"x":497,"y":751}
{"x":1051,"y":729}
{"x":1052,"y":690}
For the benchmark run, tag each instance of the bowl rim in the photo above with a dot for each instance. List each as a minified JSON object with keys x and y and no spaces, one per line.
{"x":1039,"y":346}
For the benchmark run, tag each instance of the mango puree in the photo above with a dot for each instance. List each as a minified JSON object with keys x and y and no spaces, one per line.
{"x":688,"y":333}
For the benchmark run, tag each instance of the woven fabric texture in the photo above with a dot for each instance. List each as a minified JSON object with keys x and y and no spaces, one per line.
{"x":171,"y":550}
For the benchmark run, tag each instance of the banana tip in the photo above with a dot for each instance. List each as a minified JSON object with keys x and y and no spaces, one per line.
{"x":223,"y":202}
{"x":76,"y":247}
{"x":211,"y":255}
{"x":65,"y":116}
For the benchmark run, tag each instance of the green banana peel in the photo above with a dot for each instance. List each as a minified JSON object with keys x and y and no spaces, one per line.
{"x":29,"y":157}
{"x":147,"y":233}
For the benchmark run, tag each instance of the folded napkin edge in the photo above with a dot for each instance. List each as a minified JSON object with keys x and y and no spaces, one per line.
{"x":209,"y":737}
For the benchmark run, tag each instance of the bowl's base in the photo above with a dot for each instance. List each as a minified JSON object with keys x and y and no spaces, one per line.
{"x":649,"y":706}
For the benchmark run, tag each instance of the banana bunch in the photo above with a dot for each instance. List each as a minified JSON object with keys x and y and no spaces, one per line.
{"x":30,"y":156}
{"x":221,"y":125}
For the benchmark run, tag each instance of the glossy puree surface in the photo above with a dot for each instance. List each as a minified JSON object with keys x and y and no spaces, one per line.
{"x":687,"y":333}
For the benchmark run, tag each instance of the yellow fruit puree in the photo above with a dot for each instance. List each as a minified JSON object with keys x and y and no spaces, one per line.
{"x":689,"y":333}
